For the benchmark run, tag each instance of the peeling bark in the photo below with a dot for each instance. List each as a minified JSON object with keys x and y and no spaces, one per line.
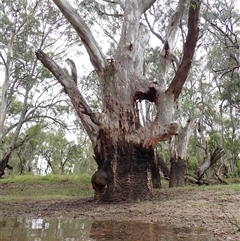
{"x":123,"y":148}
{"x":174,"y":23}
{"x":167,"y":53}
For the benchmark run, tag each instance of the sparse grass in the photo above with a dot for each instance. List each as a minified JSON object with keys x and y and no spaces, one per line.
{"x":164,"y":183}
{"x":233,"y":184}
{"x":221,"y":187}
{"x":45,"y":187}
{"x":30,"y":187}
{"x":233,"y":220}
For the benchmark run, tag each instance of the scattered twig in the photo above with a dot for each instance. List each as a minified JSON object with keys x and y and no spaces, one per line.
{"x":233,"y":220}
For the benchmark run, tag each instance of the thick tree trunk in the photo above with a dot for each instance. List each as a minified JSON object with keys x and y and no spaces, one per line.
{"x":124,"y":170}
{"x":177,"y":172}
{"x":123,"y":148}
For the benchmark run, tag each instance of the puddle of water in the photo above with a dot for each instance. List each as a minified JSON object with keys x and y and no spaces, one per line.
{"x":39,"y":229}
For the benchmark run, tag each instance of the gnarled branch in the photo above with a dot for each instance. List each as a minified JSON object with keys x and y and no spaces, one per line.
{"x":209,"y":160}
{"x":89,"y":119}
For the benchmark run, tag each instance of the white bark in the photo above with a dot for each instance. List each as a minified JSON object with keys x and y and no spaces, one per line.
{"x":172,"y":148}
{"x":179,"y":150}
{"x":97,"y":58}
{"x":184,"y":137}
{"x":6,"y":83}
{"x":134,"y":37}
{"x":172,"y":28}
{"x":143,"y":40}
{"x":205,"y":165}
{"x":171,"y":38}
{"x":122,"y":79}
{"x":128,"y":48}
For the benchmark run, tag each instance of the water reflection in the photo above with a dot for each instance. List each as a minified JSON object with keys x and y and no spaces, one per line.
{"x":39,"y":229}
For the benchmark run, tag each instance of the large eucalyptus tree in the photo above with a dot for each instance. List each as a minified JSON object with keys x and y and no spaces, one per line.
{"x":123,"y":148}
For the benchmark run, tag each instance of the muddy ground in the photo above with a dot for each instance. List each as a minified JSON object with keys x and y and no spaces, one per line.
{"x":216,"y":210}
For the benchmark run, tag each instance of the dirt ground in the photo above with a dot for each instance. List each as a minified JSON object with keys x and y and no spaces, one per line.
{"x":215,"y":210}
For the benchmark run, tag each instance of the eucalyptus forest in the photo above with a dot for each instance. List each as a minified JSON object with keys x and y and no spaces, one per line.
{"x":129,"y":92}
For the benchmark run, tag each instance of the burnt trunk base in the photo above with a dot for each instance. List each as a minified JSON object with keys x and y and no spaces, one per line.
{"x":177,"y":173}
{"x":124,"y":172}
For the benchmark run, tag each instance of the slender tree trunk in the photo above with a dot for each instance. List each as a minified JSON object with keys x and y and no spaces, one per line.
{"x":13,"y":145}
{"x":4,"y":104}
{"x":49,"y":163}
{"x":178,"y":154}
{"x":6,"y":83}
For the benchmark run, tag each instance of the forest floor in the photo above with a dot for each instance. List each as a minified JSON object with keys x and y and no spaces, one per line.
{"x":215,"y":209}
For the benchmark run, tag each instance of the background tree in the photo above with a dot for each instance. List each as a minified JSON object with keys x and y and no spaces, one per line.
{"x":61,"y":155}
{"x":201,"y":95}
{"x":223,"y":26}
{"x":25,"y":99}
